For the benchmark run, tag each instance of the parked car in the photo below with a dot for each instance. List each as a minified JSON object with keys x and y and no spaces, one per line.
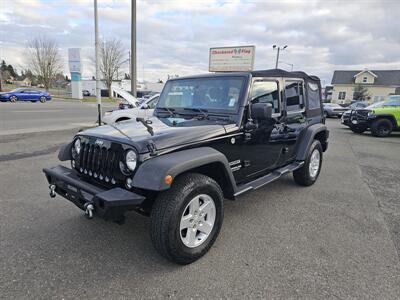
{"x":381,"y":120}
{"x":333,"y":110}
{"x":25,"y":94}
{"x":345,"y":120}
{"x":144,"y":109}
{"x":212,"y":137}
{"x":85,"y":93}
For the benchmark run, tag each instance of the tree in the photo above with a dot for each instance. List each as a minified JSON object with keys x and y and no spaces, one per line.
{"x":111,"y":59}
{"x":44,"y":59}
{"x":360,"y":93}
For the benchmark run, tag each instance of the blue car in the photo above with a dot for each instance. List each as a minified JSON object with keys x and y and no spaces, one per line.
{"x":25,"y":94}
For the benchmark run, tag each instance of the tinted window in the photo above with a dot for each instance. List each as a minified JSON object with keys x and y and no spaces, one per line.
{"x":266,"y":92}
{"x":294,"y":95}
{"x":313,"y":96}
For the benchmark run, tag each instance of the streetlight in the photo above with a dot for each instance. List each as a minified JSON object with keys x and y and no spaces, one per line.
{"x":286,"y":63}
{"x":277,"y":55}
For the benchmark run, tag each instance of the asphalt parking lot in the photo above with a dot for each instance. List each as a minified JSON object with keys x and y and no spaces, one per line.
{"x":339,"y":238}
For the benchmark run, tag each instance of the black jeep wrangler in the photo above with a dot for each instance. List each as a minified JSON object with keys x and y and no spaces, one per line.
{"x":212,"y":137}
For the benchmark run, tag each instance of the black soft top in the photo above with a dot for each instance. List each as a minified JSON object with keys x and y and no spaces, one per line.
{"x":259,"y":73}
{"x":283,"y":73}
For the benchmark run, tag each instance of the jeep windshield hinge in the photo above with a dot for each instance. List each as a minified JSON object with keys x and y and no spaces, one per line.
{"x":152,"y":148}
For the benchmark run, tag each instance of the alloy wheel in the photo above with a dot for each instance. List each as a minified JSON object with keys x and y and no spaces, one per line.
{"x":197,"y":221}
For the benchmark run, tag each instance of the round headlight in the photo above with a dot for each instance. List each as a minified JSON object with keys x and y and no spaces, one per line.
{"x":131,"y":160}
{"x":77,"y":146}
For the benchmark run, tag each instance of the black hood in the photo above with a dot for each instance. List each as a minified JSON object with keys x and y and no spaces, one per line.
{"x":165,"y":136}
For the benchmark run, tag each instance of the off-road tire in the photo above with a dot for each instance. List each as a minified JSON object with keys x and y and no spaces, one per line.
{"x":381,"y":128}
{"x":302,"y":176}
{"x":358,"y":129}
{"x":42,"y":99}
{"x":13,"y":99}
{"x":166,"y":215}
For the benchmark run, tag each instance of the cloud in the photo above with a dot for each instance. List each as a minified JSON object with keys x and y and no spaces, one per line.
{"x":174,"y":36}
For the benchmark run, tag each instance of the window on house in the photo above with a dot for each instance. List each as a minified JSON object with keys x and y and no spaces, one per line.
{"x":365,"y":79}
{"x":294,"y":95}
{"x":342,"y":96}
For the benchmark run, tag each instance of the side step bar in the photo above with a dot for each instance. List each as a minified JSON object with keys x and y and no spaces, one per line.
{"x":274,"y":175}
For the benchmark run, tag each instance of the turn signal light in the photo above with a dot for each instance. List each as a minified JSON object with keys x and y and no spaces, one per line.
{"x":168,"y":179}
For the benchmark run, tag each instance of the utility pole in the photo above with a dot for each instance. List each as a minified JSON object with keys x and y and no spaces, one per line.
{"x":278,"y":48}
{"x":96,"y":44}
{"x":130,"y":68}
{"x":133,"y":49}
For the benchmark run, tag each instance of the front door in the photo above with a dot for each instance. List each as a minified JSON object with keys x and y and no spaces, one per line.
{"x":261,"y":146}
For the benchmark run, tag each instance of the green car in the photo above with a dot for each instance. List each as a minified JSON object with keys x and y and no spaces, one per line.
{"x":381,"y":120}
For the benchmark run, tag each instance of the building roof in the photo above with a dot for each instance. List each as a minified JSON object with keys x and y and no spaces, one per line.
{"x":383,"y":77}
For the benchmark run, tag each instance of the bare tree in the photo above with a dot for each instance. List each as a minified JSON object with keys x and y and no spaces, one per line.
{"x":111,"y":59}
{"x":361,"y":93}
{"x":44,"y":59}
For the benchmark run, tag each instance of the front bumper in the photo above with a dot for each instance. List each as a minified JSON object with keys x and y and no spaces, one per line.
{"x":109,"y":204}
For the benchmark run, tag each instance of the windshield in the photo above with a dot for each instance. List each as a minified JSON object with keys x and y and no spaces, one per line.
{"x":377,"y":104}
{"x":207,"y":94}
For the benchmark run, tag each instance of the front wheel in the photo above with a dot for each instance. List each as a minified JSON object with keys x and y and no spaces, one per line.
{"x":309,"y":172}
{"x":43,"y":99}
{"x":381,"y":128}
{"x":358,"y":129}
{"x":187,"y":218}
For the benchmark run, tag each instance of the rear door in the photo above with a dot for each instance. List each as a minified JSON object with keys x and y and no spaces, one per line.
{"x":296,"y":121}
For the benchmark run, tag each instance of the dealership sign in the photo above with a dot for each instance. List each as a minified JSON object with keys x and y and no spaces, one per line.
{"x":228,"y":59}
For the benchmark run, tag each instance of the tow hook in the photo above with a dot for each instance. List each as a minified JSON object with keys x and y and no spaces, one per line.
{"x":52,"y":188}
{"x":89,"y":208}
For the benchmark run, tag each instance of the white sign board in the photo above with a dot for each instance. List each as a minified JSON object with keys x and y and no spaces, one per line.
{"x":229,"y":59}
{"x":74,"y":60}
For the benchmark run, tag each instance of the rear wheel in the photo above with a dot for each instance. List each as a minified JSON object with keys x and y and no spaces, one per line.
{"x":43,"y":99}
{"x":187,"y":218}
{"x":381,"y":128}
{"x":13,"y":98}
{"x":358,"y":129}
{"x":309,"y":172}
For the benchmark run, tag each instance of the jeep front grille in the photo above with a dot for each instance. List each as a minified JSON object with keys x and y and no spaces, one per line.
{"x":100,"y":162}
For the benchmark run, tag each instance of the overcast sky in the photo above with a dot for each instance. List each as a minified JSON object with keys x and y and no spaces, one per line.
{"x":174,"y":37}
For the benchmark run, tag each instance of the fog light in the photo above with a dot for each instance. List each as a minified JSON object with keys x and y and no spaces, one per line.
{"x":90,"y":173}
{"x":95,"y":175}
{"x":113,"y":181}
{"x":129,"y":183}
{"x":101,"y":177}
{"x":107,"y":179}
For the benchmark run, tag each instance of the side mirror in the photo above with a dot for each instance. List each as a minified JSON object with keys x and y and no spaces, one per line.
{"x":145,"y":106}
{"x":261,"y":111}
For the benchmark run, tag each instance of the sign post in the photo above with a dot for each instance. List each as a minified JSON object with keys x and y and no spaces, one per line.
{"x":232,"y":59}
{"x":74,"y":61}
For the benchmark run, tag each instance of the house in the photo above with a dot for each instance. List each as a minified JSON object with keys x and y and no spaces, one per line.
{"x":25,"y":82}
{"x":379,"y":83}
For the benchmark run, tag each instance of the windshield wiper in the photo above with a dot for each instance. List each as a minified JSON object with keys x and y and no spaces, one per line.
{"x":146,"y":124}
{"x":203,"y":111}
{"x":171,"y":111}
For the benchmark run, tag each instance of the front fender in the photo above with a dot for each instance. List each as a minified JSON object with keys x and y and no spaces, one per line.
{"x":150,"y":175}
{"x":65,"y":152}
